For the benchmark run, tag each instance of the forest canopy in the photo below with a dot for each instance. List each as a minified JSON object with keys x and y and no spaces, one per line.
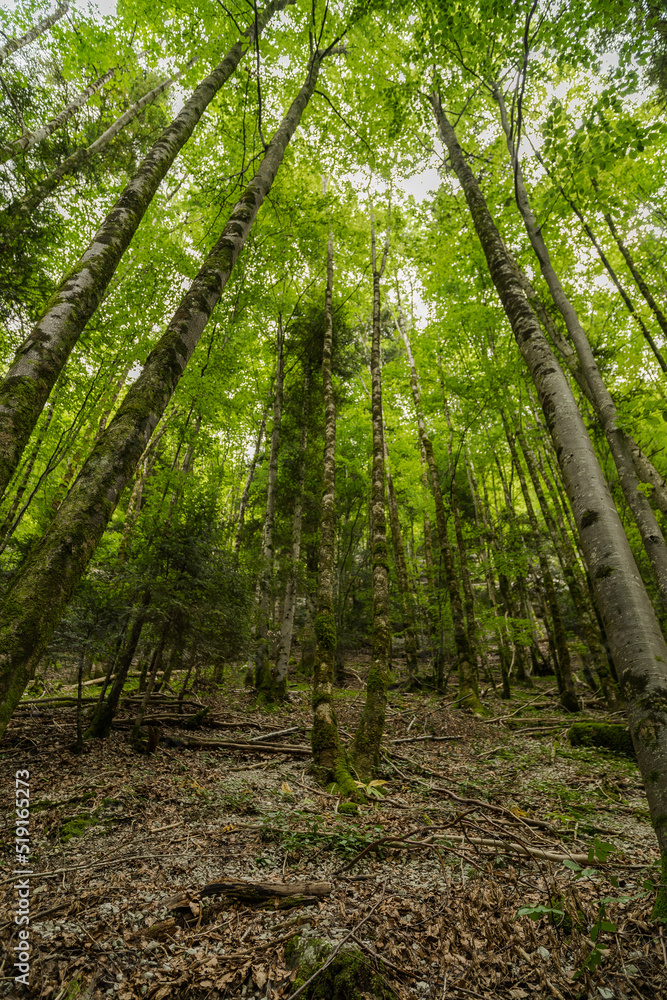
{"x":330,"y":328}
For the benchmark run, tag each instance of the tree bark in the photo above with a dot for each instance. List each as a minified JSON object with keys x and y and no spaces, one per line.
{"x":567,"y":559}
{"x":365,"y":749}
{"x":14,"y":44}
{"x":638,"y":646}
{"x":41,"y":590}
{"x":41,"y":358}
{"x":31,"y":139}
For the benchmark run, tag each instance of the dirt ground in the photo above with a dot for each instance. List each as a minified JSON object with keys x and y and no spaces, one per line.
{"x":478,"y":820}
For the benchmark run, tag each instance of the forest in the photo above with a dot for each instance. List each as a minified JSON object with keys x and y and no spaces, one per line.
{"x":333,"y":496}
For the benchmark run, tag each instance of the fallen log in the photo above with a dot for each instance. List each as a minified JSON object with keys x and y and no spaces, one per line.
{"x":250,"y":892}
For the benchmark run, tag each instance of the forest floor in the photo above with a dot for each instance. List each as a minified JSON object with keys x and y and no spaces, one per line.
{"x":501,"y":814}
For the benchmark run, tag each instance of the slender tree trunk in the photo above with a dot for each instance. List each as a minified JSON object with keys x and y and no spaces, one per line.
{"x":279,"y":691}
{"x":644,"y":468}
{"x":468,"y":595}
{"x":365,"y":749}
{"x":568,"y":694}
{"x":155,"y":666}
{"x":248,"y":483}
{"x":329,"y":759}
{"x":567,"y":560}
{"x":100,"y":724}
{"x":44,"y":354}
{"x":651,"y":535}
{"x":629,"y":304}
{"x":260,"y":660}
{"x":40,"y":592}
{"x":20,"y":211}
{"x":31,"y":139}
{"x":468,"y":696}
{"x":403,"y":578}
{"x":639,"y":280}
{"x":638,"y":646}
{"x":7,"y":525}
{"x":14,"y":44}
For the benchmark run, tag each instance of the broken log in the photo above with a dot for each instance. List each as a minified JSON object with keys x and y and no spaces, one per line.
{"x":303,"y":893}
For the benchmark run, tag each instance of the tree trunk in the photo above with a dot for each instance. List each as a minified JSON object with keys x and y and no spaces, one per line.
{"x":31,"y":139}
{"x":651,"y":535}
{"x":14,"y":44}
{"x":639,"y":280}
{"x":41,"y":358}
{"x":468,"y":696}
{"x":568,"y":695}
{"x":279,"y":689}
{"x":248,"y":483}
{"x":638,"y":646}
{"x":100,"y":724}
{"x":400,"y":563}
{"x":259,"y":661}
{"x":567,"y":559}
{"x":19,"y":211}
{"x":365,"y":749}
{"x":329,"y":759}
{"x":40,"y":592}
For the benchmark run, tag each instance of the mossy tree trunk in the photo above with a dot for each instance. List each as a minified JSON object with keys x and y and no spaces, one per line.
{"x":43,"y":355}
{"x":468,"y":695}
{"x":279,"y":686}
{"x":41,"y":590}
{"x":635,"y":638}
{"x":329,"y":759}
{"x":259,"y":661}
{"x":365,"y":749}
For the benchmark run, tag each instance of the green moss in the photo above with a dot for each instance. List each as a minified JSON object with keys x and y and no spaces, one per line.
{"x":660,"y":905}
{"x":348,"y":808}
{"x":348,"y":977}
{"x":325,"y":630}
{"x":76,"y":827}
{"x":589,"y":517}
{"x":601,"y":734}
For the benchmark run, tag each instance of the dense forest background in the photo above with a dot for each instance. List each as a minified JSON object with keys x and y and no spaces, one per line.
{"x":334,"y":341}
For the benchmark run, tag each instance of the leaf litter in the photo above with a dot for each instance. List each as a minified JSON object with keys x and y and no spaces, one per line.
{"x":465,"y":834}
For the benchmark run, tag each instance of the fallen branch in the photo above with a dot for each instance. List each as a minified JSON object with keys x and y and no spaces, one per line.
{"x":190,"y":743}
{"x":419,"y":739}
